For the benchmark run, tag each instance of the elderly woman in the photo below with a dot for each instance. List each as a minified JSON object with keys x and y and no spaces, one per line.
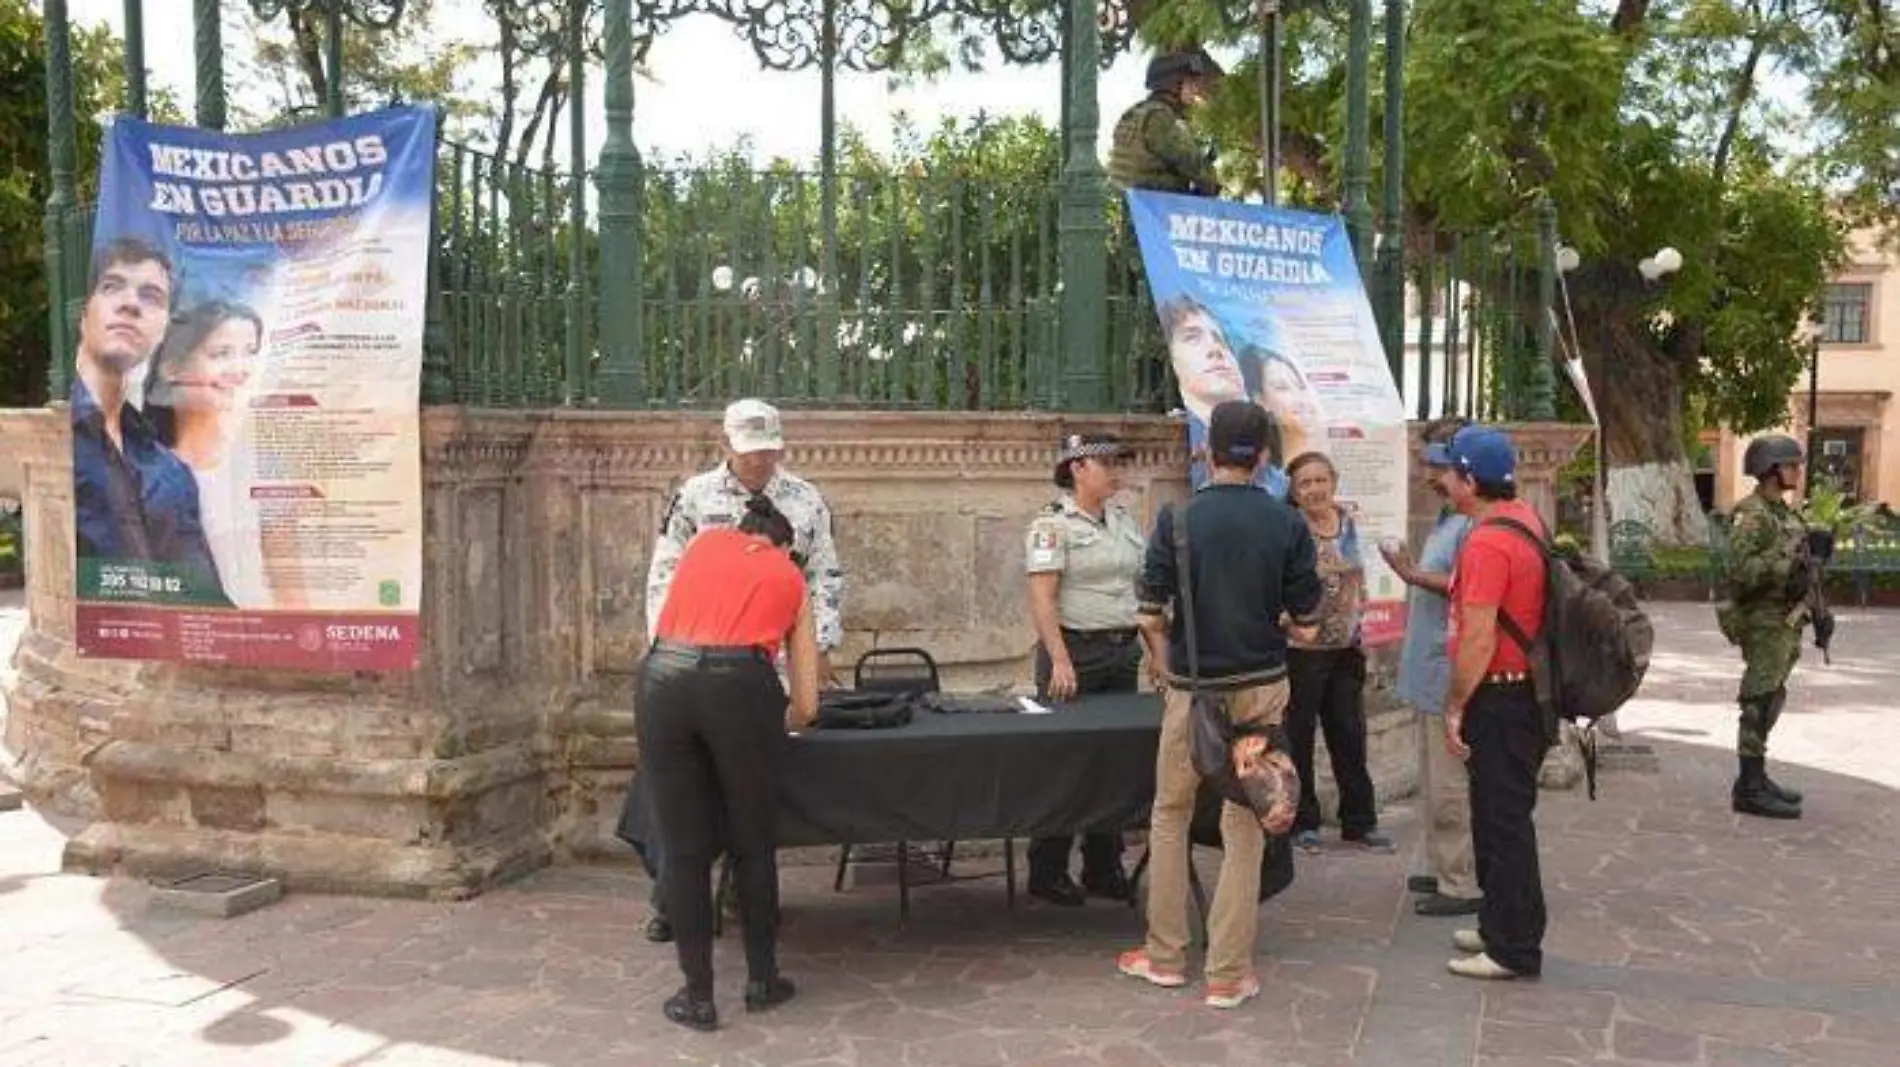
{"x":1326,"y":666}
{"x":1083,"y":555}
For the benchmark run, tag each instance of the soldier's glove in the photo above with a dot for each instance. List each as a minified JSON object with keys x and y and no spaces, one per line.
{"x":1820,"y":545}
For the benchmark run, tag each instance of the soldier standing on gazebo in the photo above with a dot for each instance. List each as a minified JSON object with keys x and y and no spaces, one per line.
{"x":1154,"y":147}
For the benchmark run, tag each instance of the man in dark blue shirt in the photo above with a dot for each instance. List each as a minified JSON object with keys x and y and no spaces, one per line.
{"x":1251,"y":560}
{"x":134,"y":500}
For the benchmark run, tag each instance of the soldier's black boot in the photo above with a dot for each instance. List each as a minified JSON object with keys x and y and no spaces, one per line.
{"x":1775,"y":703}
{"x":1751,"y":796}
{"x":1780,"y":792}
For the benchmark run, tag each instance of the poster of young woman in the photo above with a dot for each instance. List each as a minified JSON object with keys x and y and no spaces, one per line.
{"x":247,"y":480}
{"x":1267,"y":305}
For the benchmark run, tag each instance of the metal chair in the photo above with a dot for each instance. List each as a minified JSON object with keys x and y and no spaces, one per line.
{"x":907,"y":672}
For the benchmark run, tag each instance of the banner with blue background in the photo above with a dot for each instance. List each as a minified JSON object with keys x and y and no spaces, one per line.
{"x":1267,"y":305}
{"x":246,"y":438}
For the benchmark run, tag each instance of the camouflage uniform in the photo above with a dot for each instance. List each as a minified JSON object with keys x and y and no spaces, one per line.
{"x":1154,"y":148}
{"x":1759,"y":616}
{"x":715,"y":498}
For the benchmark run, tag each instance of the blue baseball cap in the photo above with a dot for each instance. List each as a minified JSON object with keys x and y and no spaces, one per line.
{"x":1484,"y":453}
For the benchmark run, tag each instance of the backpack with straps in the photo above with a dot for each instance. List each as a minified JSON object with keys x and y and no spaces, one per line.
{"x":1594,"y":649}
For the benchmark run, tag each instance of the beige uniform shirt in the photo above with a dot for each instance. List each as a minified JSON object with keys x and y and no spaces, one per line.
{"x":1097,"y":561}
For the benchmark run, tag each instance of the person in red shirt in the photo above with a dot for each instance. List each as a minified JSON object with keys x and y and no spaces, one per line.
{"x":1492,"y":718}
{"x":712,"y":721}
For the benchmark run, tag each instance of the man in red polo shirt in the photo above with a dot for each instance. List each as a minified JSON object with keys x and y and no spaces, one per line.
{"x":1492,"y":720}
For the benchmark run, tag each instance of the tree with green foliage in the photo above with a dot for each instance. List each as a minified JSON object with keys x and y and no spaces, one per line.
{"x":282,"y":82}
{"x":1652,"y":124}
{"x":25,"y":184}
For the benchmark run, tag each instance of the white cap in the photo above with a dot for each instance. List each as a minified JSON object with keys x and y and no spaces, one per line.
{"x":753,"y":426}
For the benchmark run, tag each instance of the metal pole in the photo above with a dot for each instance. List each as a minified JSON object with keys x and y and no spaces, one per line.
{"x":1359,"y":133}
{"x":1541,"y":402}
{"x":1814,"y":409}
{"x":621,"y":307}
{"x":1270,"y":101}
{"x":828,"y":201}
{"x":135,"y":59}
{"x":333,"y":77}
{"x":208,"y":34}
{"x":576,"y":389}
{"x":1392,"y":255}
{"x":62,"y":202}
{"x":1082,"y":225}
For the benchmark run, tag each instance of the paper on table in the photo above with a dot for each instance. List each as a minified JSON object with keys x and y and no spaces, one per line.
{"x":1030,"y":707}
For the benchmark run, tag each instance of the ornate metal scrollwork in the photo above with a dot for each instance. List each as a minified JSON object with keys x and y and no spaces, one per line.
{"x":870,"y":34}
{"x":370,"y":14}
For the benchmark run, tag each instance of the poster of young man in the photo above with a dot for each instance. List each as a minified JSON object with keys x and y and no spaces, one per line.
{"x":247,"y":471}
{"x":1267,"y":305}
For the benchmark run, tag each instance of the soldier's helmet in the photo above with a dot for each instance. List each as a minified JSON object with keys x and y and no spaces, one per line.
{"x":1171,"y":68}
{"x":1765,"y":454}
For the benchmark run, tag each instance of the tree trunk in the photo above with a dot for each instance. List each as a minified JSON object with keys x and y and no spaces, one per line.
{"x":1640,"y":398}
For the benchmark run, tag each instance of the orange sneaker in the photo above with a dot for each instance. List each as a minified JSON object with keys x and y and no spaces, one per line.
{"x":1136,"y":964}
{"x":1232,"y":994}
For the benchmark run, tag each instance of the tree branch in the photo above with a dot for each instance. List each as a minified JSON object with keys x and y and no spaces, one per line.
{"x":308,"y":45}
{"x":1629,"y":17}
{"x":1742,"y":92}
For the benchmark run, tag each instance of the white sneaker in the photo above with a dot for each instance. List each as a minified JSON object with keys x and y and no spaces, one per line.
{"x":1481,"y":966}
{"x":1232,"y":994}
{"x":1468,"y":941}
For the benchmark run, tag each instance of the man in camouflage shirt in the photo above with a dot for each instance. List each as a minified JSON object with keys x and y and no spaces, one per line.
{"x":1764,"y":614}
{"x":755,"y":440}
{"x":1153,"y":147}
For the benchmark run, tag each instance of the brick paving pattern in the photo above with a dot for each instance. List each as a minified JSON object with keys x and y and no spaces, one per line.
{"x":1680,"y":935}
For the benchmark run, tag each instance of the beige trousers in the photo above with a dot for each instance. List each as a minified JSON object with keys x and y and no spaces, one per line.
{"x":1234,"y":925}
{"x":1446,"y":790}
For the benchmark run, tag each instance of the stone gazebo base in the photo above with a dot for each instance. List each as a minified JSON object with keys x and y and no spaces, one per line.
{"x":512,"y":744}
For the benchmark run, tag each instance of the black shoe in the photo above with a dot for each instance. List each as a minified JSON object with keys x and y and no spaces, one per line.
{"x":1113,"y":886}
{"x":692,"y":1012}
{"x":1424,"y":884}
{"x":659,"y":930}
{"x":768,"y":993}
{"x":1060,"y":890}
{"x":1781,"y":792}
{"x":1437,"y":904}
{"x":1751,"y":795}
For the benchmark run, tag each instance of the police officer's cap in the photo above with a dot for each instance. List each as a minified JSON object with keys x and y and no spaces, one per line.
{"x":1167,"y":69}
{"x":1085,"y":446}
{"x":1765,"y":454}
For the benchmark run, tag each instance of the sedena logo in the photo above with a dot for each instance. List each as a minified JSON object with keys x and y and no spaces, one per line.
{"x":380,"y":633}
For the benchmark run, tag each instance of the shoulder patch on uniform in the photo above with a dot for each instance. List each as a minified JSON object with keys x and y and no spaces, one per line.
{"x":1043,"y":538}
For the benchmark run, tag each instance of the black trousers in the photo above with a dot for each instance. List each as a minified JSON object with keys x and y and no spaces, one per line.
{"x":1106,"y":661}
{"x":712,"y":735}
{"x":1505,"y":730}
{"x":1327,"y":693}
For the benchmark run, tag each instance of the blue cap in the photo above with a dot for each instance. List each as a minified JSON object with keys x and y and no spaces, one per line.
{"x":1483,"y":453}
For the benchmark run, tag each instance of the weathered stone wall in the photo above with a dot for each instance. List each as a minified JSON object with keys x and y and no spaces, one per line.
{"x":513,"y":742}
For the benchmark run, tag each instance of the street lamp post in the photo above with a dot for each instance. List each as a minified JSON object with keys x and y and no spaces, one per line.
{"x":1811,"y":334}
{"x":369,"y":14}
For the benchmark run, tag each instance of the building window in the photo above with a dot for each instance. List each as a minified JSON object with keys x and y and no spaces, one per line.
{"x":1846,"y":313}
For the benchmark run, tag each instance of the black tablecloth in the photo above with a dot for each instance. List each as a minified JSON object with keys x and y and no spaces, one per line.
{"x":1090,"y":764}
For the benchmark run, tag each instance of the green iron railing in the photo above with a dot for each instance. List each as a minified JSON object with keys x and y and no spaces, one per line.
{"x":946,"y":296}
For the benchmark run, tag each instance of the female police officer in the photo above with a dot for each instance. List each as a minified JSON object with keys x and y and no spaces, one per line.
{"x":1083,"y":555}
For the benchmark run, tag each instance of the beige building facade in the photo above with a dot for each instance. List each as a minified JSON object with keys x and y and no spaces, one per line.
{"x":1858,"y":443}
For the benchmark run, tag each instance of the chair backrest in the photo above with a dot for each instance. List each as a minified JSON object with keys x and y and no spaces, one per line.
{"x":896,"y":670}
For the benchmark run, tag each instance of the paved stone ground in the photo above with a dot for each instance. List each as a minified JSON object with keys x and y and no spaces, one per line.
{"x":1680,"y":935}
